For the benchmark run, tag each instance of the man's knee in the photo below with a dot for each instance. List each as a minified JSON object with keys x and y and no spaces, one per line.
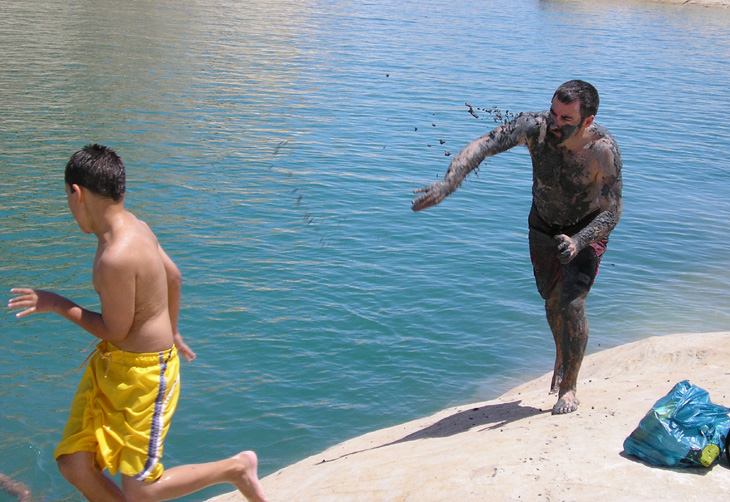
{"x":567,"y":304}
{"x":576,"y":303}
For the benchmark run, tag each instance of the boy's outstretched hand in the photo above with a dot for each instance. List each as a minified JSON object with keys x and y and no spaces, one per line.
{"x":32,"y":300}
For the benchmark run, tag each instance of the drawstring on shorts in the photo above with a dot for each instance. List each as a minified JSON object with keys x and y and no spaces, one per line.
{"x":103,"y":353}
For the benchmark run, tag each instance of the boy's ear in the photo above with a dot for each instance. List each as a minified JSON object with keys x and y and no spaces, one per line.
{"x":78,"y":193}
{"x":588,"y":120}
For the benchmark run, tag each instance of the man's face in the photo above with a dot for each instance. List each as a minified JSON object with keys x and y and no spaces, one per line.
{"x":565,"y":120}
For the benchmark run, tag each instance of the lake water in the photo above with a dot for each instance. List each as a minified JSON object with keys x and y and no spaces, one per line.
{"x":274,"y":146}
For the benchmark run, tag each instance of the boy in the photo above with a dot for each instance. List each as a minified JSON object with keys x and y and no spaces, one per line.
{"x":129,"y":391}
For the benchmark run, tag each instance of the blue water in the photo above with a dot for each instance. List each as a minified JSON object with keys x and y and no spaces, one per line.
{"x":273,"y":147}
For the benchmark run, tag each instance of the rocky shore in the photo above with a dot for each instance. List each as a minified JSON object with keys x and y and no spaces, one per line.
{"x":513,"y":449}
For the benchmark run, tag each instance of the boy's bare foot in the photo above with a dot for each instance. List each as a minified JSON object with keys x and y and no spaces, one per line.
{"x":246,"y":477}
{"x":567,"y":403}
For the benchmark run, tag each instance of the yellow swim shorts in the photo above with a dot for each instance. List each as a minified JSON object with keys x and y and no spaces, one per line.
{"x":122,"y":410}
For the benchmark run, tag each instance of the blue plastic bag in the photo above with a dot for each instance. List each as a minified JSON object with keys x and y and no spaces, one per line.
{"x":682,"y":429}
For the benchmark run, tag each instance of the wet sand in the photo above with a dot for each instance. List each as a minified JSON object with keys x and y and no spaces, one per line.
{"x":513,"y":449}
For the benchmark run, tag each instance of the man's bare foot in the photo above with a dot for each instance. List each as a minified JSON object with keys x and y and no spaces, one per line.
{"x":567,"y":403}
{"x":246,"y":476}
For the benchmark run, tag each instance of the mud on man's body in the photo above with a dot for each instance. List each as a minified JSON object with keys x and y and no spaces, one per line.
{"x":576,"y":203}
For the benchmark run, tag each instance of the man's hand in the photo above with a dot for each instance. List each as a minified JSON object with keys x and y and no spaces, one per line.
{"x":183,"y":347}
{"x":432,"y":195}
{"x":566,"y":248}
{"x":32,"y":300}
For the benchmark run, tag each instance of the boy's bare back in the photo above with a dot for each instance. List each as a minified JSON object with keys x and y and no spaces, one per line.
{"x":131,"y":279}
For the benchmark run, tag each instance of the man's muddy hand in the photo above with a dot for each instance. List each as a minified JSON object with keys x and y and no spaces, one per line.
{"x":432,"y":195}
{"x":566,"y":248}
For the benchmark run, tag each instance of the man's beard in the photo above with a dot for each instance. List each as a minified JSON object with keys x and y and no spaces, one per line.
{"x":565,"y":133}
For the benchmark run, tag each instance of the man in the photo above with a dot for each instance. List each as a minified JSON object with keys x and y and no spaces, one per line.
{"x":576,"y":203}
{"x":128,"y":393}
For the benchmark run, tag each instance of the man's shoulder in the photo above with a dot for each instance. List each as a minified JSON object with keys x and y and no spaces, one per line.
{"x":602,"y":139}
{"x":532,"y":118}
{"x":604,"y":149}
{"x":602,"y":136}
{"x":531,"y":124}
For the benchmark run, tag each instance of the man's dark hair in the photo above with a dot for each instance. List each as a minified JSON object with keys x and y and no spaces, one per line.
{"x":98,"y":169}
{"x":580,"y":90}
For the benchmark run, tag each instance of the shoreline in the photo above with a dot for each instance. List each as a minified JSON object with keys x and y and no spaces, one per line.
{"x":705,"y":3}
{"x":512,"y":448}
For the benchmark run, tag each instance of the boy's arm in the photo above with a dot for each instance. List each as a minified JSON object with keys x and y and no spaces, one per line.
{"x":37,"y":300}
{"x":115,"y":286}
{"x":174,"y":289}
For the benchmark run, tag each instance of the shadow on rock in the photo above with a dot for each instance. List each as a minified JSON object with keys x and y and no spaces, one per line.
{"x":493,"y":415}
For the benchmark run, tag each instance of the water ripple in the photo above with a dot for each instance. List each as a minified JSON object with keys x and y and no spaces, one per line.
{"x":274,"y":146}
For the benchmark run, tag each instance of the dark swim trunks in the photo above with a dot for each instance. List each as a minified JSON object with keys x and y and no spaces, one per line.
{"x":580,"y":273}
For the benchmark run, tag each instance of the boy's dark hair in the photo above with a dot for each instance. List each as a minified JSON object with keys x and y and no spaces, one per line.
{"x":98,"y":169}
{"x":583,"y":91}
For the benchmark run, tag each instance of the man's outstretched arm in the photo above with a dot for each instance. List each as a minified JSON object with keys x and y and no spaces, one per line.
{"x":499,"y":140}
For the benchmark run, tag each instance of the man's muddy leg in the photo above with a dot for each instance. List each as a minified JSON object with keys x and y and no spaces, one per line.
{"x":552,"y":312}
{"x":574,"y":324}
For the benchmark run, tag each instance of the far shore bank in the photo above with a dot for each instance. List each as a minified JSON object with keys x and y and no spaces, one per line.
{"x":707,"y":3}
{"x":513,"y":449}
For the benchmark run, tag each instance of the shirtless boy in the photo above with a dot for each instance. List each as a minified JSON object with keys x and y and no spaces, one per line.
{"x":128,"y":393}
{"x":576,"y":203}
